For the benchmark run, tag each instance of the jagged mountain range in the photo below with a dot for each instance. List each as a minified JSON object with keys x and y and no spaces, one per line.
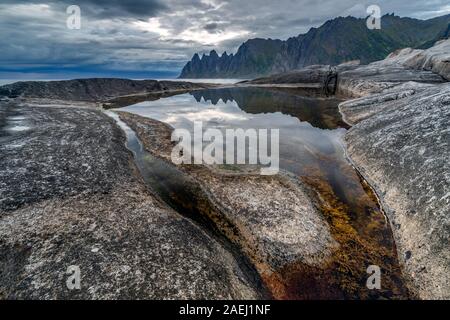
{"x":336,"y":41}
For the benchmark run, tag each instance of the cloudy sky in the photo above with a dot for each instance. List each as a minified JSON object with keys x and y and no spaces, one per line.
{"x":155,"y":38}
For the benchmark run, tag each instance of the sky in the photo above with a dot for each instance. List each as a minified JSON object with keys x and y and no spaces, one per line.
{"x":155,"y":38}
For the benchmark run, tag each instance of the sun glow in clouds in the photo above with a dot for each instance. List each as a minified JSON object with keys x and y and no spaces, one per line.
{"x":153,"y":25}
{"x":195,"y":33}
{"x":205,"y":38}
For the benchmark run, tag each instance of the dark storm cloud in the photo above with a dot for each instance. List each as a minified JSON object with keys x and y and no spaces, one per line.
{"x":104,"y":8}
{"x":119,"y":36}
{"x":211,"y":27}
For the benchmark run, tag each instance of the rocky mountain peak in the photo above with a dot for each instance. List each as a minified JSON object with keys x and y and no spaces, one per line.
{"x":336,"y":41}
{"x":213,"y":54}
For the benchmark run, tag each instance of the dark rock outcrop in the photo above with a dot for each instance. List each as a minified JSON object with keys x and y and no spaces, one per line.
{"x":95,"y":89}
{"x":316,"y":76}
{"x":336,"y":41}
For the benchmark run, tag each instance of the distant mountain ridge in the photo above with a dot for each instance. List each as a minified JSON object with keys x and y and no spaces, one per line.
{"x":336,"y":41}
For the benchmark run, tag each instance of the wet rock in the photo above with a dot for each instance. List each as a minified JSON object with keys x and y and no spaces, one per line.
{"x":71,"y":196}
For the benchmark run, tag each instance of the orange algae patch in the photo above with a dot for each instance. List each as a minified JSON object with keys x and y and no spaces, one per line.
{"x":364,"y":239}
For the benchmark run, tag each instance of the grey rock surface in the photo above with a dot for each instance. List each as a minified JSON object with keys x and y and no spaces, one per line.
{"x":356,"y":110}
{"x":436,"y":58}
{"x":71,"y":196}
{"x":423,"y":66}
{"x":402,"y":147}
{"x":400,"y":142}
{"x":380,"y":76}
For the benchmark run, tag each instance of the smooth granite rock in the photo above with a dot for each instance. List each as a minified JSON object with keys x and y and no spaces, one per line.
{"x":400,"y":143}
{"x":436,"y":58}
{"x":403,"y":150}
{"x":74,"y":198}
{"x":405,"y":65}
{"x":380,"y":76}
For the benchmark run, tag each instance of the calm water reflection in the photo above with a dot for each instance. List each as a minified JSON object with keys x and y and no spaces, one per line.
{"x":310,"y":128}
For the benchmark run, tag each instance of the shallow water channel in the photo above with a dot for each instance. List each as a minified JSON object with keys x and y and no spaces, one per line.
{"x":311,"y":148}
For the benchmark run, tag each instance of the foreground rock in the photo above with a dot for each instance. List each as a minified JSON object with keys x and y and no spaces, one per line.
{"x":402,"y":147}
{"x":74,"y":198}
{"x":400,"y":142}
{"x":96,"y":89}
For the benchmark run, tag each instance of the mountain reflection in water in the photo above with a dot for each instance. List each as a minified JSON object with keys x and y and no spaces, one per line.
{"x":311,"y":127}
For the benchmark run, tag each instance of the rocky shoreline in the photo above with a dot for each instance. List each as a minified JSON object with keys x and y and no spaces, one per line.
{"x":94,"y":216}
{"x":95,"y":89}
{"x":399,"y":142}
{"x":75,"y":196}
